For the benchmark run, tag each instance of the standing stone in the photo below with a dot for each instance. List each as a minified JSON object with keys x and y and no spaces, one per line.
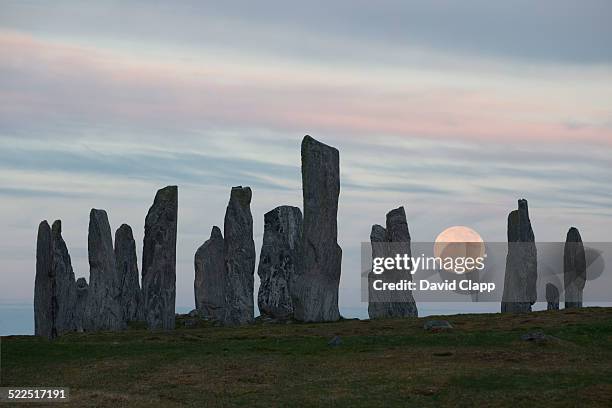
{"x":389,"y":242}
{"x":103,"y":309}
{"x":279,"y":258}
{"x":239,"y":252}
{"x":44,"y":284}
{"x":209,"y":282}
{"x":159,"y":260}
{"x":65,"y":285}
{"x":82,"y":289}
{"x":552,"y":297}
{"x":574,"y":269}
{"x":54,"y":287}
{"x":127,"y":265}
{"x":521,"y":263}
{"x":315,"y":289}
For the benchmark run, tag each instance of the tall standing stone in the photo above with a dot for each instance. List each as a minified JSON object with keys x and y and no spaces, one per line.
{"x":44,"y":284}
{"x":82,"y":290}
{"x":54,"y":287}
{"x":159,"y":260}
{"x":574,"y":268}
{"x":278,"y":261}
{"x":389,"y":242}
{"x":209,"y":282}
{"x":127,"y":265}
{"x":103,"y":309}
{"x":521,"y":263}
{"x":239,"y":258}
{"x":315,"y":292}
{"x":65,"y":285}
{"x":552,"y":297}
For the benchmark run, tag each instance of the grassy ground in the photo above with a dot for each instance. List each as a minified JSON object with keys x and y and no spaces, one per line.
{"x":482,"y":362}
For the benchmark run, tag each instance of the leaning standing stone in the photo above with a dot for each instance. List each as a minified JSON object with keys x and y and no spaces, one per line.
{"x":574,"y":269}
{"x":315,"y":289}
{"x":159,"y":260}
{"x":103,"y":310}
{"x":127,"y":265}
{"x":65,"y":285}
{"x":552,"y":297}
{"x":209,"y":283}
{"x":239,"y":258}
{"x":521,"y":263}
{"x":279,"y":258}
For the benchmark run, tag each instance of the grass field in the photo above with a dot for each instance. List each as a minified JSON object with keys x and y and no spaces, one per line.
{"x":482,"y":362}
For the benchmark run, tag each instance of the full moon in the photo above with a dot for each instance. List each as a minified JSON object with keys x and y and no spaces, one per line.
{"x":459,"y":241}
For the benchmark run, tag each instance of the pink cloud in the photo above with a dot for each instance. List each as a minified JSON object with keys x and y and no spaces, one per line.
{"x":51,"y":78}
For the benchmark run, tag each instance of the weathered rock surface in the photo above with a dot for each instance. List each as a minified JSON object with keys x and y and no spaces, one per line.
{"x":278,"y":261}
{"x":521,"y":263}
{"x":127,"y":265}
{"x":437,"y":325}
{"x":574,"y":269}
{"x":54,"y":286}
{"x":103,"y":309}
{"x":552,"y":297}
{"x":315,"y":289}
{"x":65,"y":285}
{"x":389,"y":242}
{"x":209,"y":282}
{"x":159,"y":260}
{"x":44,"y":321}
{"x":239,"y":252}
{"x":82,"y":290}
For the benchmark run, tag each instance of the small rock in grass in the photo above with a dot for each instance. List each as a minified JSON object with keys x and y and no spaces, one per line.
{"x":335,"y":341}
{"x":437,"y":325}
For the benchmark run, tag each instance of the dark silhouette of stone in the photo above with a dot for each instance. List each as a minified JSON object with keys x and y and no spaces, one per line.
{"x":82,"y":290}
{"x":239,"y":252}
{"x":54,"y":286}
{"x":315,"y":289}
{"x":389,"y":242}
{"x":574,"y":269}
{"x":65,"y":285}
{"x":159,"y":260}
{"x":209,"y":283}
{"x":44,"y":320}
{"x":521,"y":263}
{"x":103,"y":309}
{"x":127,"y":264}
{"x":437,"y":325}
{"x":552,"y":297}
{"x":279,"y":258}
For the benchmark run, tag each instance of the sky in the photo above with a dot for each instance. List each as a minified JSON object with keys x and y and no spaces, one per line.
{"x":452,"y":109}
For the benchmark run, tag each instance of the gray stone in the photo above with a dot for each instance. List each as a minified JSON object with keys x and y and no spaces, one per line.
{"x":103,"y":309}
{"x":65,"y":285}
{"x":127,"y":264}
{"x":315,"y":289}
{"x":209,"y":282}
{"x":552,"y":297}
{"x":159,"y":260}
{"x":278,"y":261}
{"x":44,"y":324}
{"x":82,"y":291}
{"x":54,"y":286}
{"x":389,"y":242}
{"x":539,"y":337}
{"x":437,"y":325}
{"x":521,"y":263}
{"x":335,"y":341}
{"x":239,"y":258}
{"x":574,"y":269}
